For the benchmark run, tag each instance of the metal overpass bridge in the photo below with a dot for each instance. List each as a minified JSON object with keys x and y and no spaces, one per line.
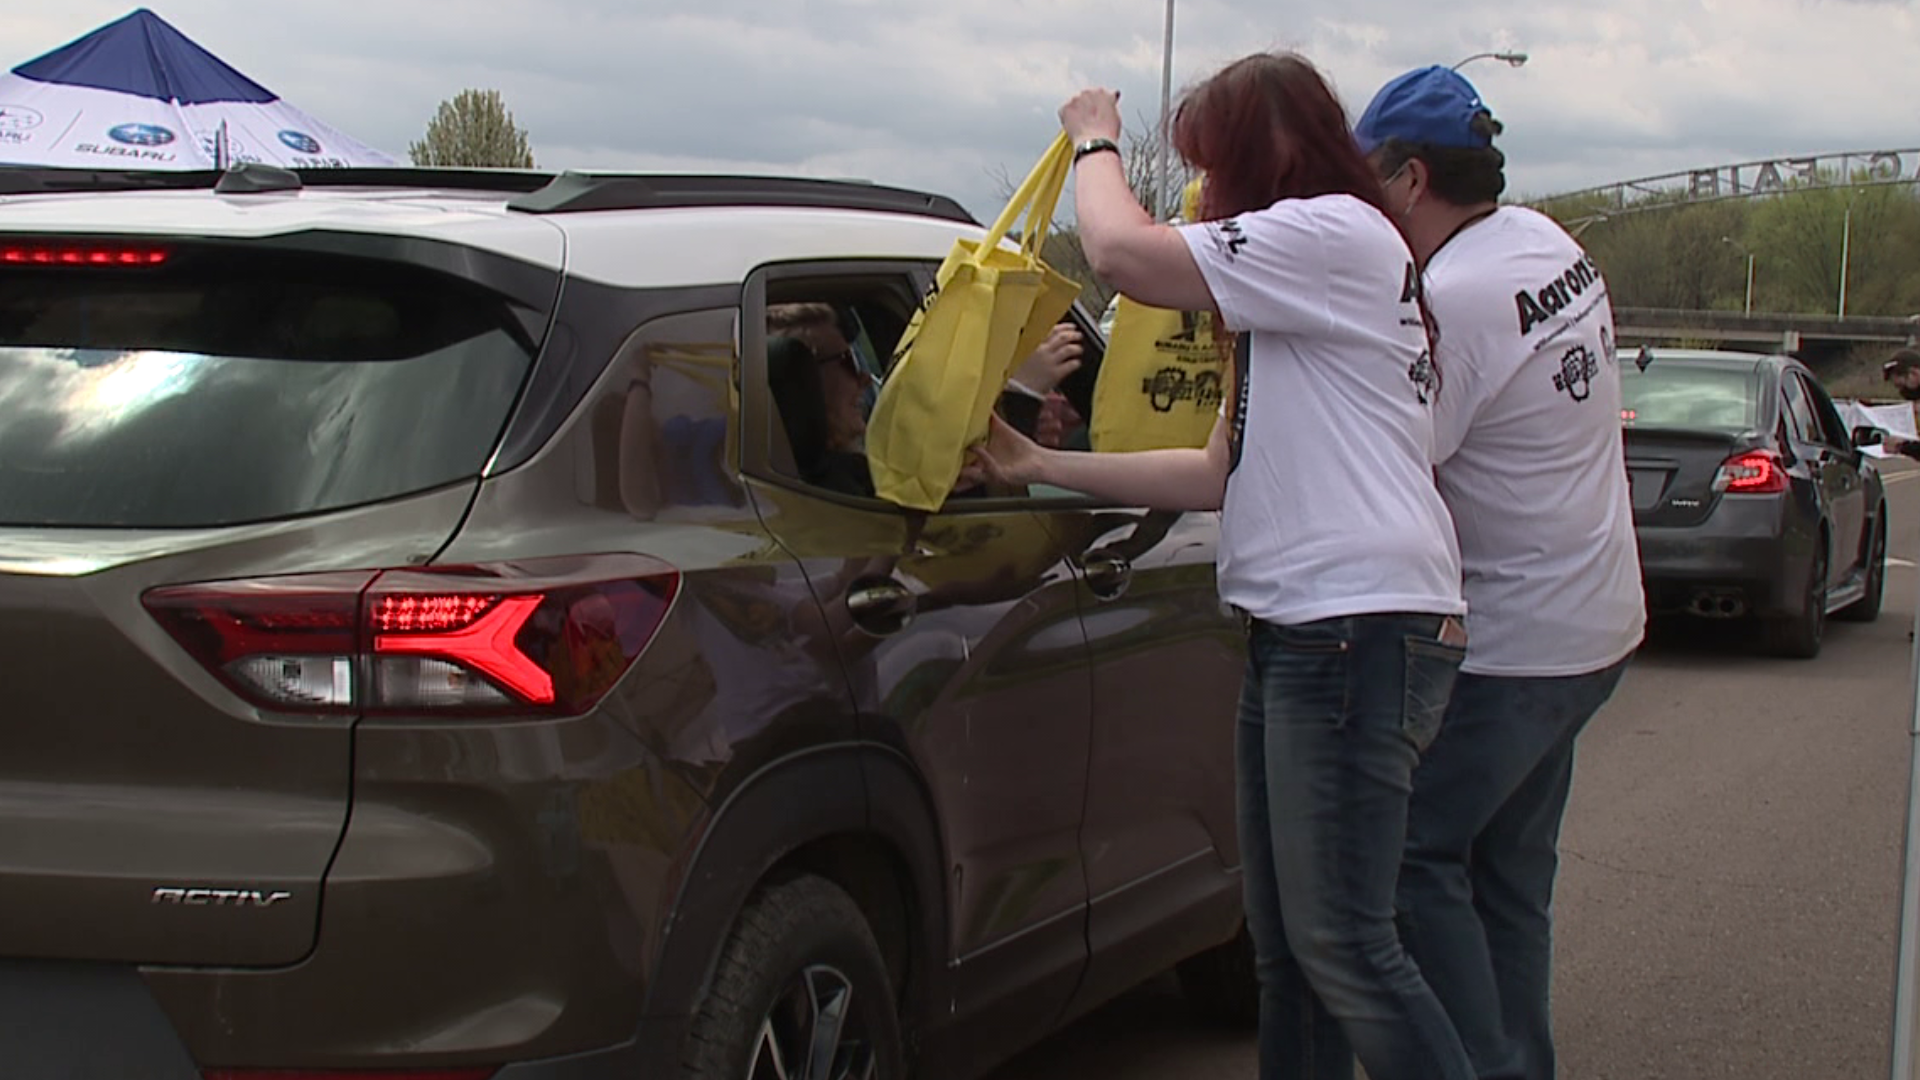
{"x":1811,"y":336}
{"x":1744,"y":180}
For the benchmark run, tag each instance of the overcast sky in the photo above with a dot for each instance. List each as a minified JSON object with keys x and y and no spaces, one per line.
{"x":952,"y":96}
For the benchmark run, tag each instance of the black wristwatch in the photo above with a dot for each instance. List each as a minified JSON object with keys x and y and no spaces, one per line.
{"x":1094,"y":146}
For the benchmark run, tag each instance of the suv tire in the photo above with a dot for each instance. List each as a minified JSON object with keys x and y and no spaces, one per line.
{"x":1222,"y":984}
{"x":799,"y":990}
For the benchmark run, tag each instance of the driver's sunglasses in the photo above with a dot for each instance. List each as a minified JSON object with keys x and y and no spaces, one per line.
{"x":844,"y":356}
{"x":851,"y":360}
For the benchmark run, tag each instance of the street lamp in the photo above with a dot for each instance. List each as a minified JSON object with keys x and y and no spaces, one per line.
{"x":1513,"y":59}
{"x":1160,"y":201}
{"x":1846,"y":245}
{"x":1580,"y":225}
{"x":1729,"y":241}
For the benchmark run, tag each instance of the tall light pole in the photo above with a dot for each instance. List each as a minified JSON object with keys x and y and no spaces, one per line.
{"x":1166,"y":106}
{"x":1846,"y":245}
{"x":1729,"y":241}
{"x":1513,"y":59}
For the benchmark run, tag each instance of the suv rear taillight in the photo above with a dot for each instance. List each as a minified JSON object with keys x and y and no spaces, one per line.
{"x":1756,"y":472}
{"x":76,"y":254}
{"x":548,"y":637}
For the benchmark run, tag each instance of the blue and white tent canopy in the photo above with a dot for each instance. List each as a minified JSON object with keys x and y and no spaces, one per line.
{"x":138,"y":94}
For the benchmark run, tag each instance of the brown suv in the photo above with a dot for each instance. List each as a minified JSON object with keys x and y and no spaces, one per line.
{"x":443,"y":632}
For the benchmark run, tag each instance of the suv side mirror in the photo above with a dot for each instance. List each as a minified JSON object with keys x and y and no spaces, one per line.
{"x":1868,"y":436}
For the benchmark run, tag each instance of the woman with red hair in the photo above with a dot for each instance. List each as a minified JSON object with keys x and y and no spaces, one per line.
{"x":1334,"y":545}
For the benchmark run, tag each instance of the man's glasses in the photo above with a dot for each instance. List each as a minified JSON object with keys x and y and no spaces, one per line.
{"x":850,"y":361}
{"x":844,"y":356}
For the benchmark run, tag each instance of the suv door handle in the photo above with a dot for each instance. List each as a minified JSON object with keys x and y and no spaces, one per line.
{"x":1107,"y":575}
{"x":881,"y":606}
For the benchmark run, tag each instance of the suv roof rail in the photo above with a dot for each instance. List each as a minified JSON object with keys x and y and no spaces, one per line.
{"x":575,"y":191}
{"x":34,"y":180}
{"x":534,"y":192}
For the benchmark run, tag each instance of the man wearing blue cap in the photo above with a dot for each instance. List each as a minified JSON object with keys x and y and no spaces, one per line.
{"x":1529,"y":460}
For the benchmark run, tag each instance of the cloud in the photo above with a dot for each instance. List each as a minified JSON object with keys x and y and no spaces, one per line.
{"x":954,"y":97}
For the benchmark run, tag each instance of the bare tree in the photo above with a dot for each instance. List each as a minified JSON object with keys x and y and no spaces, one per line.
{"x":1141,"y":154}
{"x":1139,"y":146}
{"x":473,"y":129}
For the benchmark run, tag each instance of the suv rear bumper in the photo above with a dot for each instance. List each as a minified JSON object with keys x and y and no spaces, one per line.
{"x":61,"y":1018}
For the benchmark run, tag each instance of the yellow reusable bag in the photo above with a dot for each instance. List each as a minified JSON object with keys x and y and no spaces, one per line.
{"x":1163,"y":377}
{"x":989,"y":308}
{"x":1161,"y":382}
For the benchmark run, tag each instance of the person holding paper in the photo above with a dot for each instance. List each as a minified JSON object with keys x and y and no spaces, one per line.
{"x":1902,"y":369}
{"x":1335,"y":545}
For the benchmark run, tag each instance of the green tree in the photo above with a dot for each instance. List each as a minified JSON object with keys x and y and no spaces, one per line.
{"x":1671,"y":257}
{"x":1798,"y":240}
{"x":1660,"y":250}
{"x":473,"y":129}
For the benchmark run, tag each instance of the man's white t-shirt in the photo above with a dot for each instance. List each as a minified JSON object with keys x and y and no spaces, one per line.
{"x":1331,"y":508}
{"x":1529,"y":449}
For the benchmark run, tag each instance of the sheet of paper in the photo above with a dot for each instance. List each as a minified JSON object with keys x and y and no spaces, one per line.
{"x":1896,"y":419}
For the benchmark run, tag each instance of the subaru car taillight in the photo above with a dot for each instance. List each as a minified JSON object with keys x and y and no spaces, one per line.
{"x":548,"y":637}
{"x":1756,"y":472}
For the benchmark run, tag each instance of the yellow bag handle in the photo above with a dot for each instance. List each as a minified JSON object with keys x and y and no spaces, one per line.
{"x":1035,"y":199}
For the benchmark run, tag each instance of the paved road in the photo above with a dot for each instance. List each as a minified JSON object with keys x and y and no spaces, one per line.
{"x":1729,"y":896}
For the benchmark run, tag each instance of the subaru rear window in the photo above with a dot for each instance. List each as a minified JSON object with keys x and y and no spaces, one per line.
{"x":1681,"y":396}
{"x":205,"y":386}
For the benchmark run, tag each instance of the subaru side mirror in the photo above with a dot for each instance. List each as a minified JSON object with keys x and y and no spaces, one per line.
{"x":1868,"y":436}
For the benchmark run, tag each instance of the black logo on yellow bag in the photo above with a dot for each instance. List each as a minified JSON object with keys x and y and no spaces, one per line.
{"x":1170,"y":386}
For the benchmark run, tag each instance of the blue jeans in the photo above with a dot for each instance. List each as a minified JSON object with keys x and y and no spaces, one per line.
{"x":1476,"y":891}
{"x":1333,"y":718}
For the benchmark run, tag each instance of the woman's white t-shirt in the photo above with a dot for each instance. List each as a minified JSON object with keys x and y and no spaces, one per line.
{"x":1331,"y":508}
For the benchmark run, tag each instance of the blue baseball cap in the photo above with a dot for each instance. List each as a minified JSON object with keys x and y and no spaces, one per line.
{"x":1432,"y":105}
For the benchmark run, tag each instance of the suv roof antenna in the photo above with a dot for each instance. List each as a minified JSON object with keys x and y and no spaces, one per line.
{"x":252,"y":177}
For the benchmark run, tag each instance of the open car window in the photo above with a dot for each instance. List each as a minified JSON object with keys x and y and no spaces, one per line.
{"x":831,"y":339}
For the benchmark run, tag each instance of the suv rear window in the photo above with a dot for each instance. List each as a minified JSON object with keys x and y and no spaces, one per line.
{"x":1681,"y":396}
{"x":231,"y":384}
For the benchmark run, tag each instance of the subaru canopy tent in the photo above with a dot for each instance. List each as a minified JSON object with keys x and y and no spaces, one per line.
{"x":138,"y":94}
